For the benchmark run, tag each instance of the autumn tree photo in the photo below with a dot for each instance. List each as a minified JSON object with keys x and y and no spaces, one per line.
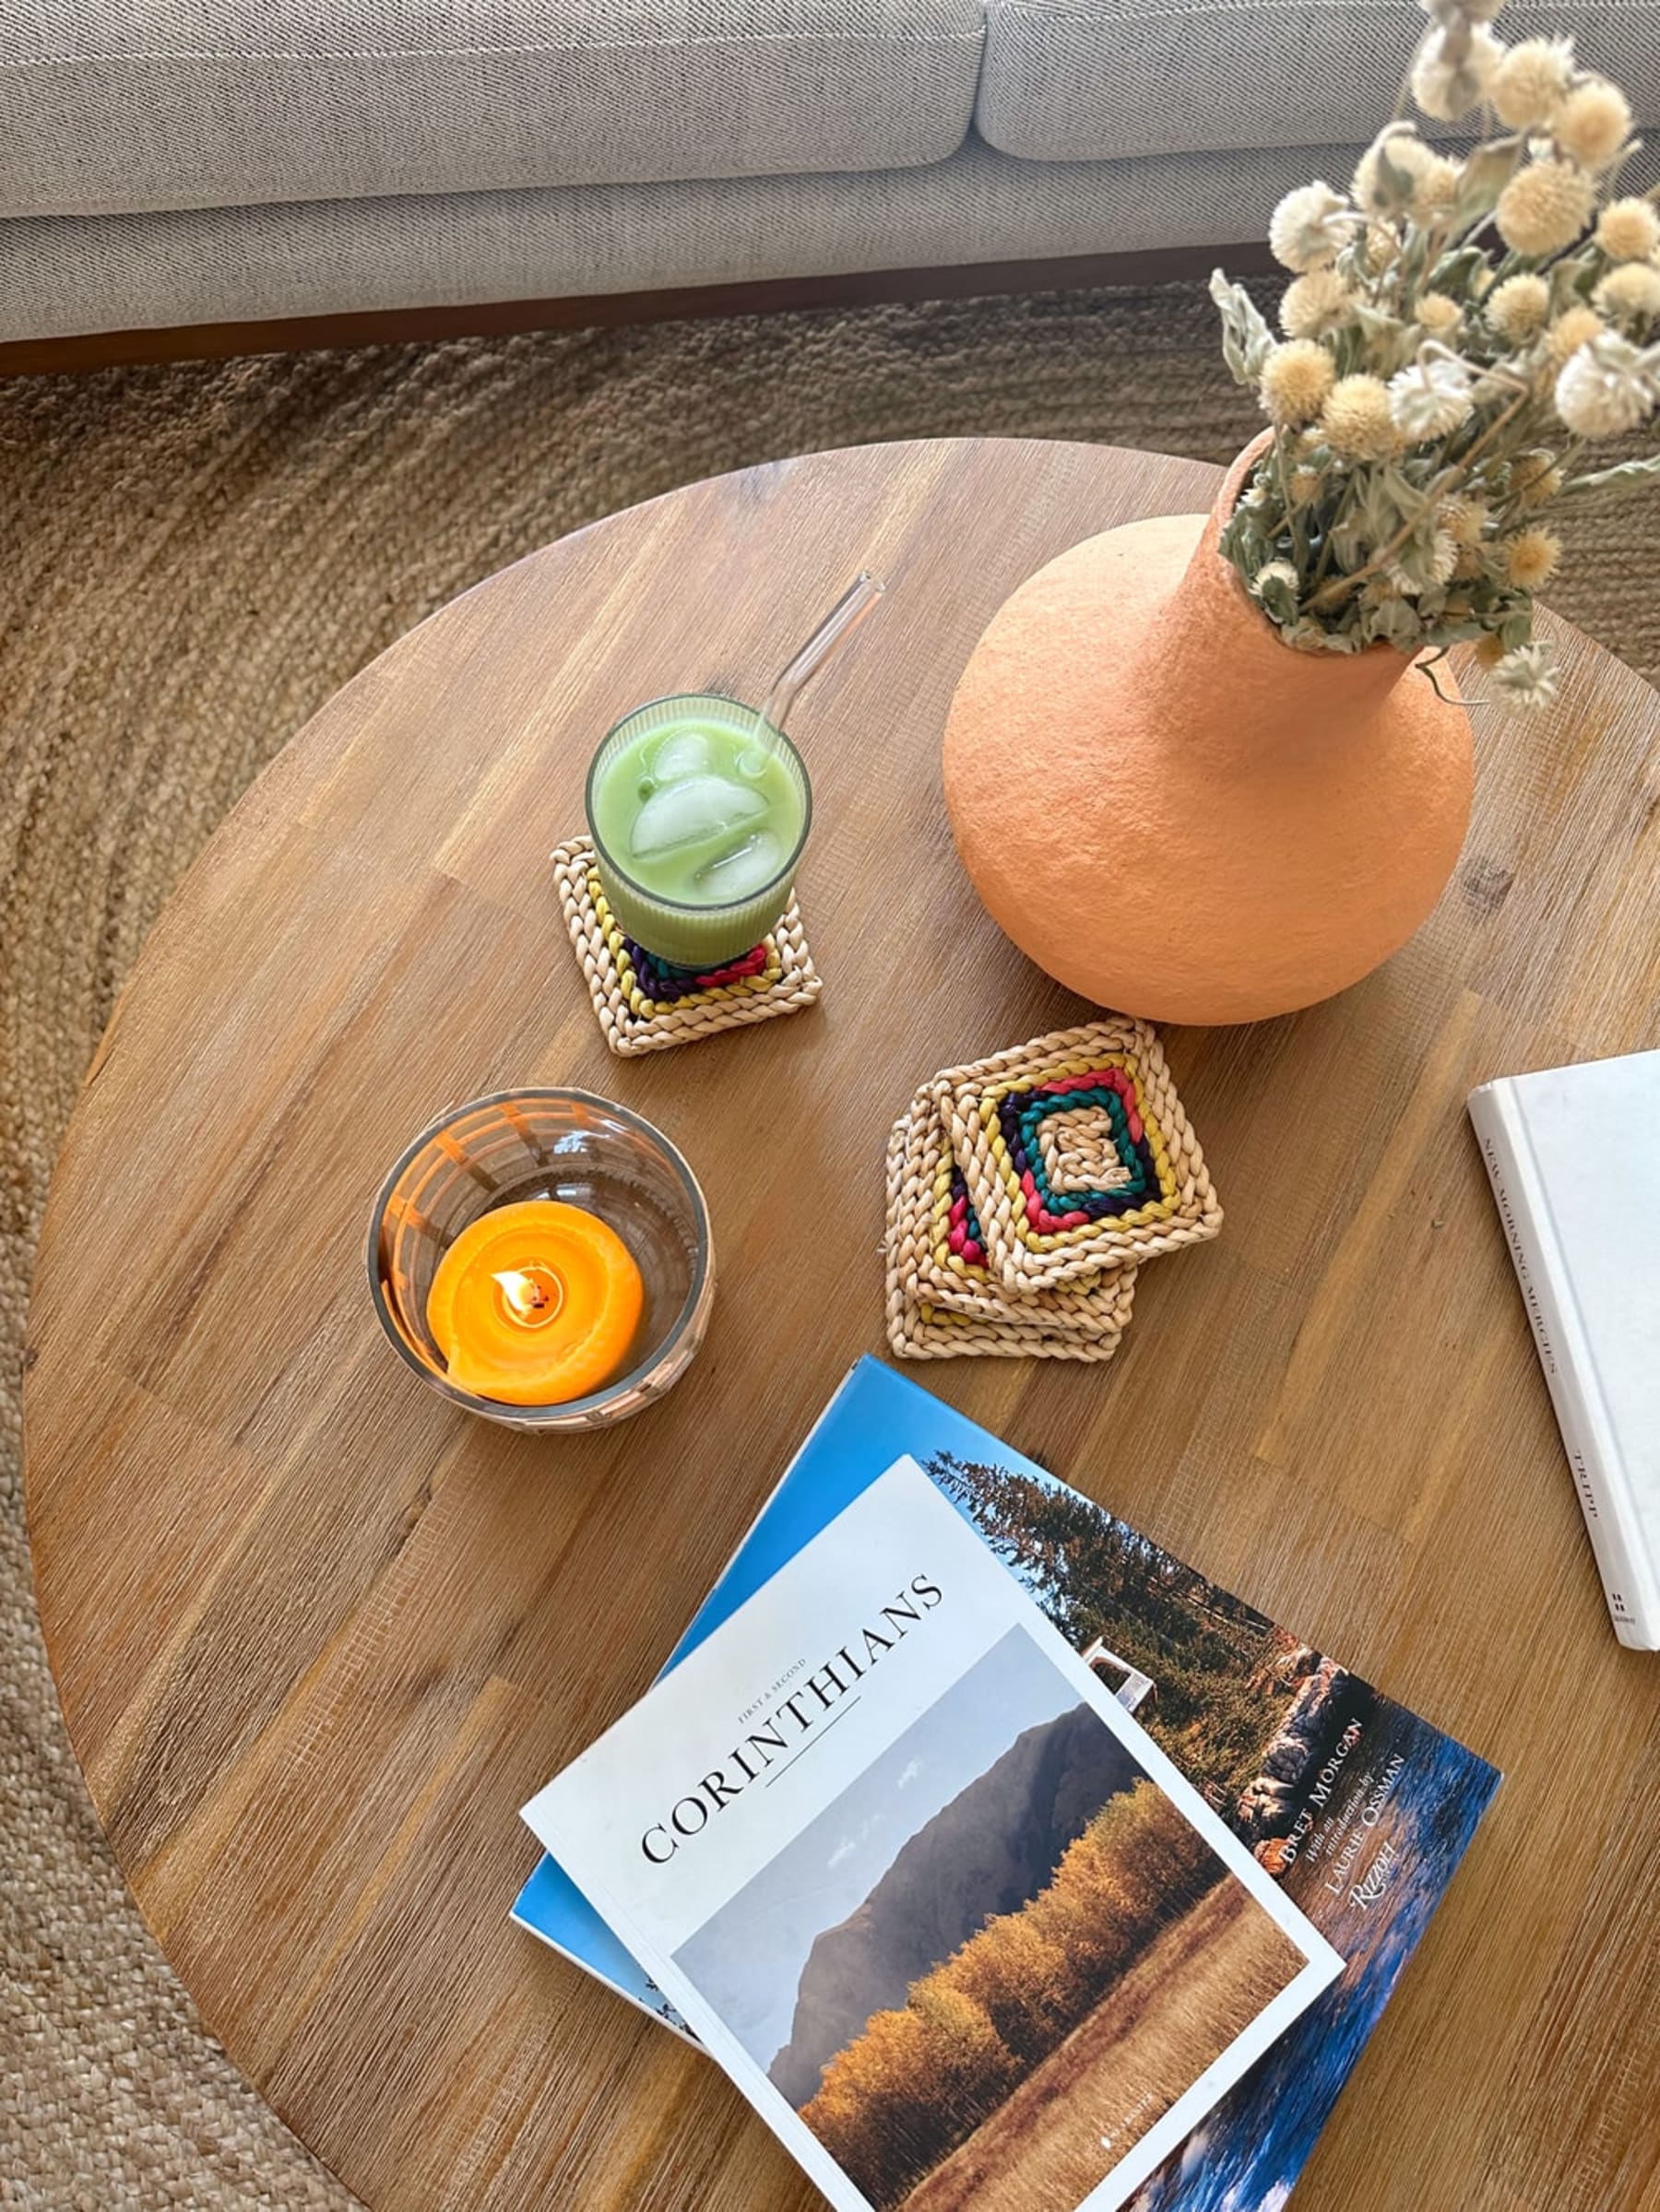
{"x":919,"y":2081}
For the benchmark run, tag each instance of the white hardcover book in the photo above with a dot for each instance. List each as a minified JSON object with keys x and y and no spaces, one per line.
{"x":1574,"y":1156}
{"x":945,"y":1913}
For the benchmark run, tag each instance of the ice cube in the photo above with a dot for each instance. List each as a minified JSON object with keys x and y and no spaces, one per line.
{"x":686,"y":812}
{"x":683,"y":752}
{"x":744,"y":868}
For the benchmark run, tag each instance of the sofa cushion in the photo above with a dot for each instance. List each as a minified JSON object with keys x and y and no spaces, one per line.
{"x":62,"y":274}
{"x":1084,"y":80}
{"x":106,"y":107}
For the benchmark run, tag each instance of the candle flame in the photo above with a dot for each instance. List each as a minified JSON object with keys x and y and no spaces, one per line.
{"x":528,"y":1295}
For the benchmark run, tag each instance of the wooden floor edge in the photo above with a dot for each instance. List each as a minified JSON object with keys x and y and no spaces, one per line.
{"x":407,"y":326}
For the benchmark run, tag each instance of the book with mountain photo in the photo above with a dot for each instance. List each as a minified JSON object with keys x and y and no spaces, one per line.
{"x":1359,"y":1808}
{"x":946,"y":1914}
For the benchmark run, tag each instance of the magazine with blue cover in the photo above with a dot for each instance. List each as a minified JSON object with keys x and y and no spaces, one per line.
{"x":1358,"y":1810}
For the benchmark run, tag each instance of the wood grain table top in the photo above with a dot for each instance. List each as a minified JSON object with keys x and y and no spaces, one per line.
{"x":317,"y":1635}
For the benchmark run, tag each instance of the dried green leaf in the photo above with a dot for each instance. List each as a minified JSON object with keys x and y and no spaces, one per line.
{"x":1456,"y":272}
{"x":1388,"y":342}
{"x":1486,"y":172}
{"x":1573,"y":279}
{"x":1394,"y":622}
{"x":1278,"y":593}
{"x":1410,"y":498}
{"x":1399,"y":180}
{"x":1626,"y":476}
{"x":1246,"y":339}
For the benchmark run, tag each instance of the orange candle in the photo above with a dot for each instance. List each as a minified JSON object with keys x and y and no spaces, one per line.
{"x":535,"y":1304}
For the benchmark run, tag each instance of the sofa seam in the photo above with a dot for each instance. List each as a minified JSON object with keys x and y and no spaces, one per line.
{"x":975,"y":36}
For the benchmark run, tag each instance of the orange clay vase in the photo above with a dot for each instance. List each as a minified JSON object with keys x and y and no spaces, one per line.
{"x":1178,"y":816}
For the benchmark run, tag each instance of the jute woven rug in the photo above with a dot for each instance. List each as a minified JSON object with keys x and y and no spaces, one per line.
{"x":191,"y":561}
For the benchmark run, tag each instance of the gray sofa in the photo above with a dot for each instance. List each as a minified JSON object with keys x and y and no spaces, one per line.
{"x":167,"y":163}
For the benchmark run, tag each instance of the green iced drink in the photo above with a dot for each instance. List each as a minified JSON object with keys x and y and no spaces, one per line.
{"x":698,"y":814}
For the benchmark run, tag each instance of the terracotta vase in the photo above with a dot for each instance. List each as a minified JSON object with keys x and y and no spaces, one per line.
{"x":1178,"y":816}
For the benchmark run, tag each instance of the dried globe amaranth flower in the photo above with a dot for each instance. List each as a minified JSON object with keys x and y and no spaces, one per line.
{"x":1526,"y":677}
{"x":1630,"y":293}
{"x":1382,"y":247}
{"x":1437,"y":313}
{"x":1431,"y":398}
{"x":1593,"y":122}
{"x":1357,"y":421}
{"x":1435,"y":189}
{"x":1531,"y":557}
{"x":1544,"y":207}
{"x":1453,"y":71}
{"x":1605,"y":388}
{"x":1465,"y":519}
{"x":1535,"y":479}
{"x":1518,"y":308}
{"x":1297,"y":377}
{"x":1451,"y":312}
{"x":1629,"y":231}
{"x":1392,"y":172}
{"x":1309,"y":227}
{"x":1315,"y":304}
{"x":1529,"y":83}
{"x":1574,"y":327}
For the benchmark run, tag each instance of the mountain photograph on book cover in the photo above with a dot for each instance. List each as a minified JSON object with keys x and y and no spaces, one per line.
{"x":990,"y":1965}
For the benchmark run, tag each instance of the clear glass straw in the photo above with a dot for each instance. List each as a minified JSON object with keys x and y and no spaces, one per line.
{"x":837,"y":626}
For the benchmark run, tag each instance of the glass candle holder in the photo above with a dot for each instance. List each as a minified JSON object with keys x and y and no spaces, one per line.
{"x":699,"y":811}
{"x":567,"y":1146}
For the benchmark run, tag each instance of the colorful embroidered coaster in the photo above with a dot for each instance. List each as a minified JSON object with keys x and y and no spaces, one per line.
{"x":644,"y":1003}
{"x":1076,"y":1154}
{"x":943,"y":1300}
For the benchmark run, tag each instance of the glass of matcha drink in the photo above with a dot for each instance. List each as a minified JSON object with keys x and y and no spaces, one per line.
{"x":699,"y":809}
{"x":698,"y":812}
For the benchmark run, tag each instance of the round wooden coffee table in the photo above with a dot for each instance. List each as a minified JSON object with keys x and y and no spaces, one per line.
{"x":317,"y":1635}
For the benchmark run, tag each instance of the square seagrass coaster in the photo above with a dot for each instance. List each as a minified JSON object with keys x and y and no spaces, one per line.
{"x":1076,"y":1154}
{"x":644,"y":1004}
{"x":943,"y":1300}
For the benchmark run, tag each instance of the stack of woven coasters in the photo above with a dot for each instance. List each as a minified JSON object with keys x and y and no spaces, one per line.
{"x":644,"y":1003}
{"x":1024,"y":1190}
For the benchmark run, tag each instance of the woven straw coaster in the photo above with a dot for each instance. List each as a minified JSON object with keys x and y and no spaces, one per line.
{"x":647,"y":1005}
{"x":1076,"y":1154}
{"x":943,"y":1300}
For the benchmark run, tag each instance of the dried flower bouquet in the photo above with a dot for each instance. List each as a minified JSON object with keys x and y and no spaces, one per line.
{"x":1458,"y":330}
